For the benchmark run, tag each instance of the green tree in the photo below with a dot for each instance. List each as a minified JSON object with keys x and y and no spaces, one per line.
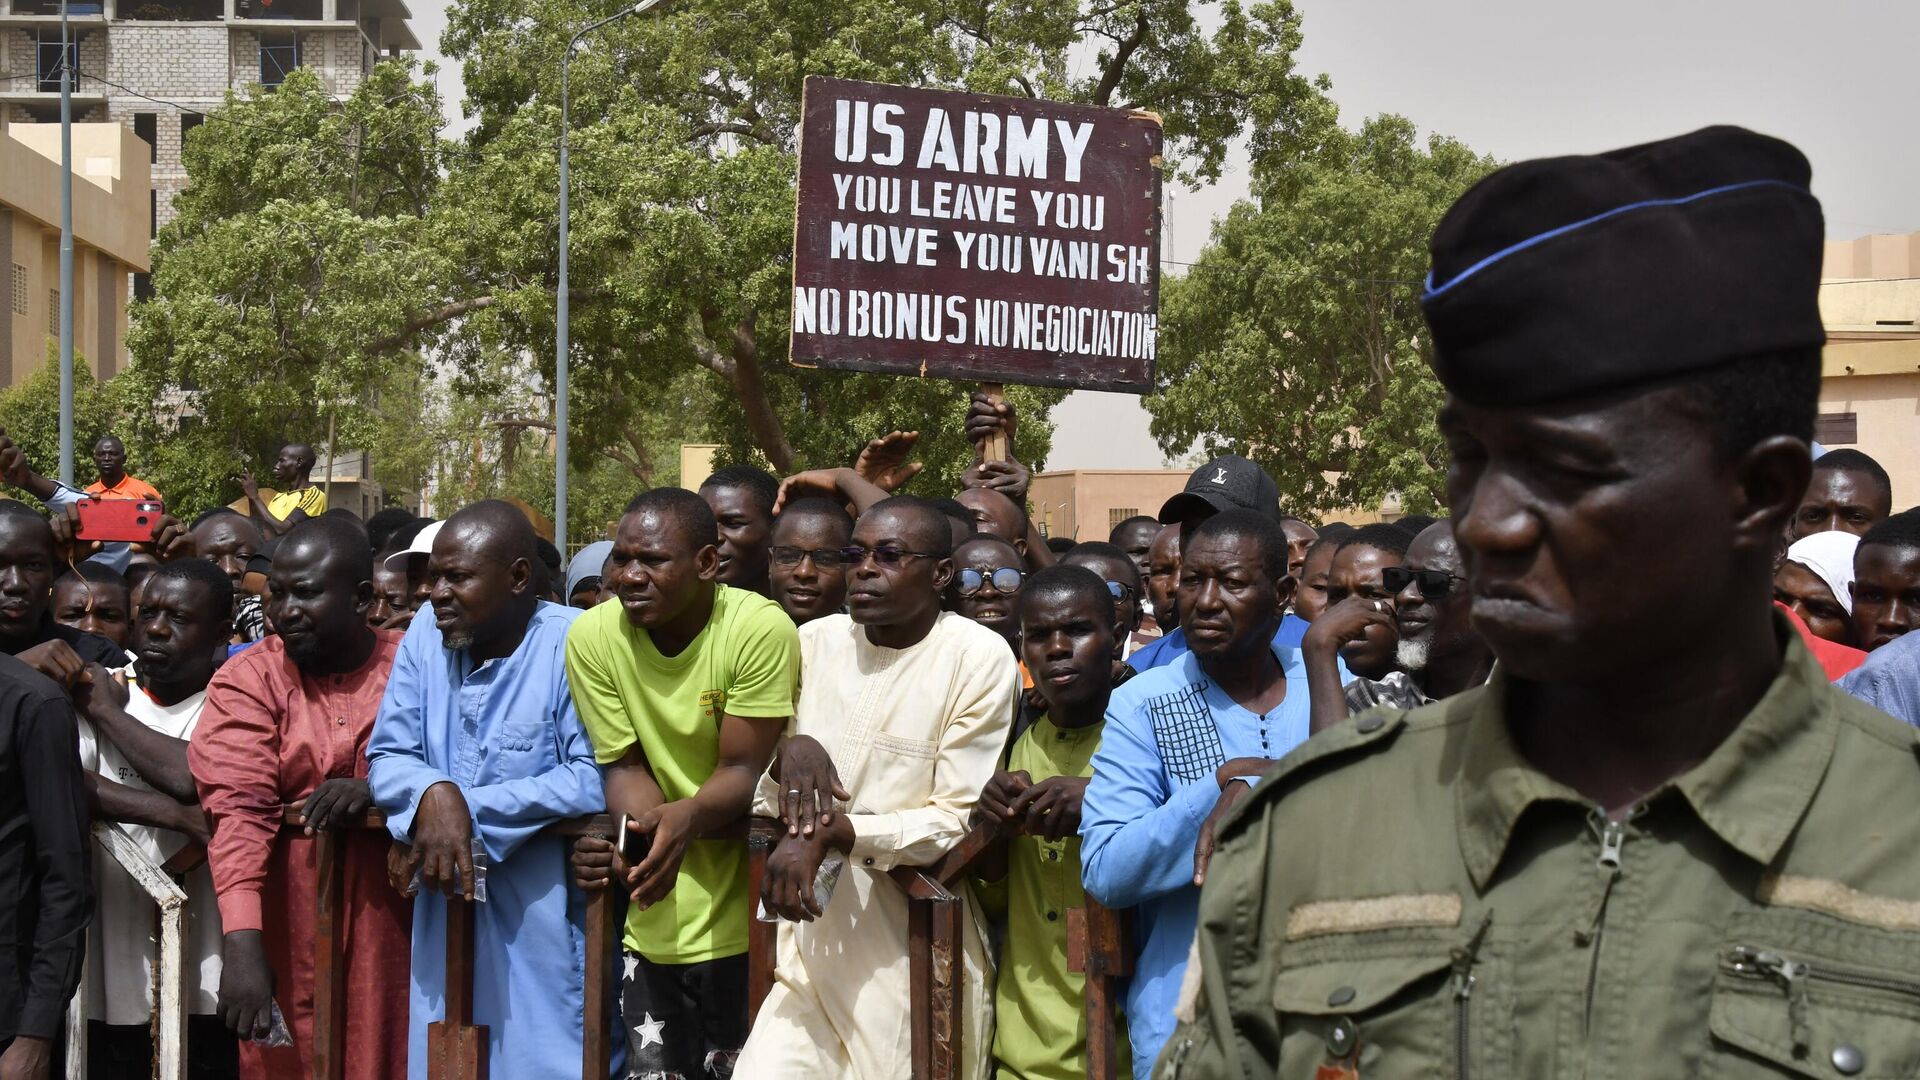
{"x":684,"y":127}
{"x":1304,"y":308}
{"x":323,"y":246}
{"x":287,"y":284}
{"x":30,"y":413}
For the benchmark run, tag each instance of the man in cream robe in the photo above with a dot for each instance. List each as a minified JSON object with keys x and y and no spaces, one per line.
{"x":912,"y":706}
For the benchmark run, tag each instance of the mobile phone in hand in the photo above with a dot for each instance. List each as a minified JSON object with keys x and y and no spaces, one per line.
{"x":117,"y":520}
{"x":633,"y":846}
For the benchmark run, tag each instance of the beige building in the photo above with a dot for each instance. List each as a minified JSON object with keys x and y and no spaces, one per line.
{"x":1870,"y":385}
{"x":110,"y":207}
{"x":187,"y":54}
{"x":1085,"y":504}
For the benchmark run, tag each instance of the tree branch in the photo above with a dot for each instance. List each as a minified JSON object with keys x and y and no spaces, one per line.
{"x":1110,"y":79}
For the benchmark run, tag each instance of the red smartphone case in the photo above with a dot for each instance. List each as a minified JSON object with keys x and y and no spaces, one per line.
{"x":109,"y":521}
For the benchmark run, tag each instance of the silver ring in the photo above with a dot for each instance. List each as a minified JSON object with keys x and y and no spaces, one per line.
{"x":1380,"y":604}
{"x":793,"y":791}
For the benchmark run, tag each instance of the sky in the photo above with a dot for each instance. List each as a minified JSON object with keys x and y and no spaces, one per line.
{"x":1531,"y":78}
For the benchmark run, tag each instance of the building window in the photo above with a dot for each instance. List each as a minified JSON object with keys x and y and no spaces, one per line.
{"x":19,"y":289}
{"x":53,"y":311}
{"x":1836,"y":429}
{"x":1119,"y":514}
{"x":48,"y":66}
{"x":153,"y":214}
{"x":142,"y":286}
{"x":147,"y":126}
{"x":189,"y":121}
{"x":279,"y":55}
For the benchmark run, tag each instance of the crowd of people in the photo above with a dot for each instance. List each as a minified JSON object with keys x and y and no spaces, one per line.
{"x":1348,"y":785}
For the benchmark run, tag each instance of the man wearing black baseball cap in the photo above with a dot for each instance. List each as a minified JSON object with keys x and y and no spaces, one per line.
{"x":1657,"y":841}
{"x":1225,"y":483}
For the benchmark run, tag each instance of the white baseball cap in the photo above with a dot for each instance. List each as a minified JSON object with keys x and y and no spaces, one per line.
{"x":422,"y":545}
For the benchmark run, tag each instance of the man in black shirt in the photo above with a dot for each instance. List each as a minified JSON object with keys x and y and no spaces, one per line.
{"x":28,"y":565}
{"x":46,"y":881}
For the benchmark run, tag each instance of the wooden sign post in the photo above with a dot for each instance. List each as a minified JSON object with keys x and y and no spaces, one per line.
{"x":978,"y":238}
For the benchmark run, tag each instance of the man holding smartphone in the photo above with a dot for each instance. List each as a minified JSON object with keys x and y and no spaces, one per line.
{"x":476,"y":749}
{"x":685,"y":686}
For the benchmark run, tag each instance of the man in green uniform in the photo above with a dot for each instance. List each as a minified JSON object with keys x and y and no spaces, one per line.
{"x":1657,"y":842}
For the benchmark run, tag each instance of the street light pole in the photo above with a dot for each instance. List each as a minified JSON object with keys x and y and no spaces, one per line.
{"x":66,"y":248}
{"x":563,"y":301}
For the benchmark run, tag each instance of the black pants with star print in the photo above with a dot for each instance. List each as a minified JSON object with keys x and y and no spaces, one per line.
{"x":684,"y":1021}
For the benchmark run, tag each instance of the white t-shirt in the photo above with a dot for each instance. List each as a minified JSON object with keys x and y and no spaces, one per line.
{"x":123,"y":944}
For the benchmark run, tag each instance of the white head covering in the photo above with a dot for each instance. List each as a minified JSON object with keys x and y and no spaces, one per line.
{"x":1830,"y":556}
{"x":588,"y":562}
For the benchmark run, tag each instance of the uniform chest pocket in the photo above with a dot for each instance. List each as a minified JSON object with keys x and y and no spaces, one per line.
{"x":1811,"y":996}
{"x":1396,"y":1006}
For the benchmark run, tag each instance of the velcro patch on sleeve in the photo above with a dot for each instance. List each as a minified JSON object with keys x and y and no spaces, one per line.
{"x":1839,"y":900}
{"x":1372,"y":913}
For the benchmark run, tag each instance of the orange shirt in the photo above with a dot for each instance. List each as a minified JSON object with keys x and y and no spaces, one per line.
{"x":129,"y":487}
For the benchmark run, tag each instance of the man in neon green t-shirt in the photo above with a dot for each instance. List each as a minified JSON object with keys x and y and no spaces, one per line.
{"x":685,"y":686}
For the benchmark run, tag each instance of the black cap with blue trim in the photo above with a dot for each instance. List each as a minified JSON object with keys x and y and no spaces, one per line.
{"x":1568,"y":276}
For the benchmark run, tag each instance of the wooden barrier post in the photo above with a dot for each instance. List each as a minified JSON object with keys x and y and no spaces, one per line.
{"x":1096,"y":947}
{"x":456,"y":1046}
{"x":329,"y":978}
{"x":603,"y":953}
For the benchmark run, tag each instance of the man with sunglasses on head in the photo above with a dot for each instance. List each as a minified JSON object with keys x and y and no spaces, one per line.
{"x":898,"y":728}
{"x":1439,"y":654}
{"x":684,"y":686}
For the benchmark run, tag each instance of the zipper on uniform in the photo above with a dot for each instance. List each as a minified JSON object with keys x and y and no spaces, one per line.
{"x":1461,"y":983}
{"x":1793,"y":975}
{"x":1179,"y":1058}
{"x":1613,"y":839}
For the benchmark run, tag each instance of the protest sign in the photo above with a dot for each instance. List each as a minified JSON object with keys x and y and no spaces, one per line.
{"x":970,"y":236}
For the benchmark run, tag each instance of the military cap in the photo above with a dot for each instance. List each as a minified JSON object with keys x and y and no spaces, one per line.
{"x":1574,"y":275}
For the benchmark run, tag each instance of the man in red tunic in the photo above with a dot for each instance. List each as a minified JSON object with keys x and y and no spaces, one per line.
{"x":287,"y":721}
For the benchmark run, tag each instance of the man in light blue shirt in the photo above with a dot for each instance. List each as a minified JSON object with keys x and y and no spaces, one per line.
{"x":478,"y":738}
{"x":1177,"y":742}
{"x":1890,"y":679}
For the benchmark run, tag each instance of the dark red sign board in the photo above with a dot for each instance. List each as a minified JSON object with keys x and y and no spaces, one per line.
{"x":976,"y":237}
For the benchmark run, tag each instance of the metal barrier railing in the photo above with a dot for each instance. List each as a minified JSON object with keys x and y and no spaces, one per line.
{"x":170,"y":1026}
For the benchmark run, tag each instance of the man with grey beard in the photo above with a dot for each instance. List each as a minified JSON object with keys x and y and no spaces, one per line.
{"x":1439,"y":654}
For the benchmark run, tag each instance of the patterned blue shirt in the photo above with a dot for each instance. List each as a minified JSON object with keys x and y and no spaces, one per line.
{"x":1167,"y":731}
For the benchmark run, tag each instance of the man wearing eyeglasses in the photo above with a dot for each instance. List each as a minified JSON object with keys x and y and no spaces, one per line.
{"x":807,"y":577}
{"x":1439,"y":654}
{"x":684,"y":687}
{"x":898,"y":727}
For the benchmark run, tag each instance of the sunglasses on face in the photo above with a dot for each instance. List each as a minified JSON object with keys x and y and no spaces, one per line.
{"x":1434,"y":584}
{"x":1119,"y":591}
{"x":786,"y":558}
{"x":884,"y":555}
{"x":1005,"y":580}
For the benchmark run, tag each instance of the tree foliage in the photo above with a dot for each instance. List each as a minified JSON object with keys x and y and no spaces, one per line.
{"x":324,"y":246}
{"x":30,"y":414}
{"x":1296,"y":339}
